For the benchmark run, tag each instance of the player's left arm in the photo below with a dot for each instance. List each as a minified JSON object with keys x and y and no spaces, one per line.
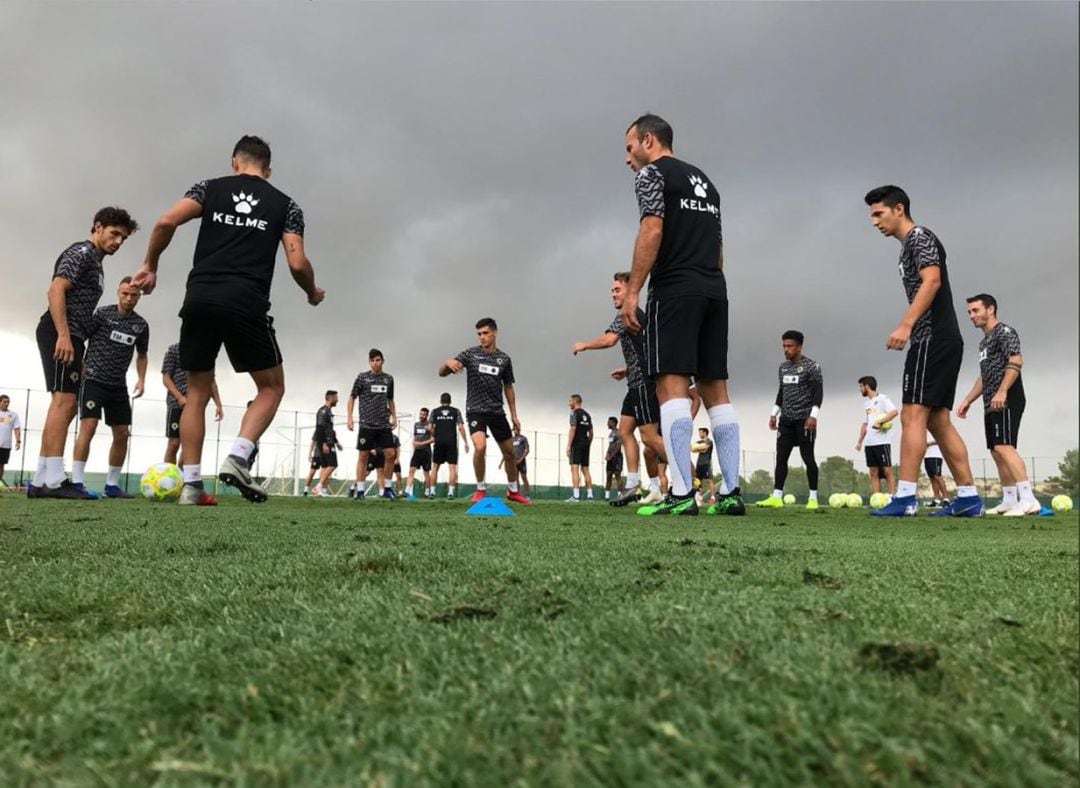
{"x":928,"y":289}
{"x":391,"y":405}
{"x":646,"y":247}
{"x":182,"y":212}
{"x":219,"y":412}
{"x":602,"y":342}
{"x":142,"y":362}
{"x":974,"y":394}
{"x":1012,"y":372}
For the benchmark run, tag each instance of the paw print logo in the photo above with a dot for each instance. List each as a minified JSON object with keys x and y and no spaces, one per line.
{"x":90,"y":404}
{"x":472,"y":423}
{"x":701,"y":188}
{"x":74,"y":377}
{"x":244,"y":202}
{"x":363,"y":441}
{"x":175,"y":425}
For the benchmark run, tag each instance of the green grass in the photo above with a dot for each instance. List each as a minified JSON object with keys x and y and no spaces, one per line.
{"x":335,"y":642}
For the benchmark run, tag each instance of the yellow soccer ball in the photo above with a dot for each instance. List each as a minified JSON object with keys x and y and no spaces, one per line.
{"x":1061,"y":503}
{"x":854,"y":501}
{"x":789,"y":499}
{"x":161,"y":482}
{"x":837,"y":500}
{"x":880,"y":500}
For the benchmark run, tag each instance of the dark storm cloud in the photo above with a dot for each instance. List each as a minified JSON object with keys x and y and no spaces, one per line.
{"x":462,"y":160}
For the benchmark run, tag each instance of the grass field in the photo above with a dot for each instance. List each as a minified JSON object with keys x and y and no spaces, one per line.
{"x":336,"y":642}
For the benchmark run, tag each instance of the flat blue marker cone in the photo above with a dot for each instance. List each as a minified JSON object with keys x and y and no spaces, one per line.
{"x":491,"y":506}
{"x":1044,"y":512}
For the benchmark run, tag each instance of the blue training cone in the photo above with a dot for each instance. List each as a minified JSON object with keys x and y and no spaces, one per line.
{"x":490,"y":506}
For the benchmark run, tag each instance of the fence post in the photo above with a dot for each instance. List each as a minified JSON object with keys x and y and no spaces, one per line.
{"x":25,"y":437}
{"x":217,"y":456}
{"x":131,"y":440}
{"x":296,"y":453}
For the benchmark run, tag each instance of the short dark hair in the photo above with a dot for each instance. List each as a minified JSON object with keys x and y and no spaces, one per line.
{"x":487,"y":322}
{"x":444,"y":398}
{"x":113,"y":216}
{"x":987,"y":300}
{"x":793,"y":334}
{"x":375,"y":353}
{"x":126,"y":280}
{"x":702,"y":429}
{"x":254,"y":148}
{"x":622,"y":276}
{"x":424,"y":410}
{"x":5,"y":396}
{"x":575,"y":397}
{"x":891,"y":196}
{"x":655,"y":125}
{"x":611,"y":419}
{"x":330,"y":393}
{"x":869,"y":381}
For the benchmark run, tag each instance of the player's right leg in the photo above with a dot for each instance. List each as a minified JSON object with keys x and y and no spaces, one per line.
{"x":192,"y":436}
{"x":479,"y":442}
{"x":63,"y":382}
{"x":967,"y":502}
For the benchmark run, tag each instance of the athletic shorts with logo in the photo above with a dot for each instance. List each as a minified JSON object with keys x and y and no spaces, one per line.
{"x":495,"y":422}
{"x":323,"y":459}
{"x":932,"y":466}
{"x":1003,"y":426}
{"x":249,"y":339}
{"x":172,"y":421}
{"x":59,"y":377}
{"x":879,"y":456}
{"x":641,"y":404}
{"x":421,"y":458}
{"x":372,"y":440}
{"x":377,"y":460}
{"x":686,"y":335}
{"x":445,"y":453}
{"x":95,"y":397}
{"x":793,"y":432}
{"x":931,"y":370}
{"x":579,"y":453}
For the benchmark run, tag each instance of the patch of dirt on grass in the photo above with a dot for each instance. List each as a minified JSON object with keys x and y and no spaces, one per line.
{"x":463,"y":613}
{"x":899,"y":658}
{"x":821,"y":580}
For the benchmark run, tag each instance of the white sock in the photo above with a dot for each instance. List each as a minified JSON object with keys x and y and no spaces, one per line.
{"x":450,"y":489}
{"x":813,"y":495}
{"x":725,"y":429}
{"x":777,"y":493}
{"x":589,"y":493}
{"x":906,"y":489}
{"x":1023,"y":489}
{"x":512,"y":486}
{"x":633,"y":481}
{"x":113,"y":479}
{"x":39,"y":477}
{"x":481,"y":486}
{"x":678,"y":429}
{"x":1008,"y":495}
{"x":576,"y":493}
{"x":242,"y":448}
{"x":192,"y":474}
{"x":54,"y":471}
{"x":967,"y":491}
{"x":654,"y":484}
{"x":78,"y":472}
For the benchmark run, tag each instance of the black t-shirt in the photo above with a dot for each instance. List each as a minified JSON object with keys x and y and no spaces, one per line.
{"x":171,"y":366}
{"x":582,"y":421}
{"x":243,"y":220}
{"x":922,"y":249}
{"x":633,"y":349}
{"x":446,"y":419}
{"x":114,"y":338}
{"x":421,"y":431}
{"x":688,"y":261}
{"x":80,"y":264}
{"x":324,"y":427}
{"x":487,"y":375}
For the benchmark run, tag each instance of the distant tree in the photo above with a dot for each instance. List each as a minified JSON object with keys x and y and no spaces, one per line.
{"x":1068,"y":478}
{"x":838,"y":474}
{"x":759,"y":483}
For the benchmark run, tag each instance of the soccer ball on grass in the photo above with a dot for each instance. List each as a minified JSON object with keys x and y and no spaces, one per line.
{"x":789,"y":499}
{"x":1061,"y":503}
{"x":837,"y":500}
{"x":161,"y":482}
{"x":880,"y":500}
{"x":854,"y":501}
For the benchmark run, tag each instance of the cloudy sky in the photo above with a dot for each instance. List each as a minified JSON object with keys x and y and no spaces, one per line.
{"x":459,"y":160}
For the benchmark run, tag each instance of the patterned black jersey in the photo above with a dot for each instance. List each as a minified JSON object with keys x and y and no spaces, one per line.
{"x":80,"y":264}
{"x":582,"y":422}
{"x":114,"y":338}
{"x":373,"y":393}
{"x":243,"y":220}
{"x":521,"y":446}
{"x":446,"y":419}
{"x":703,"y":459}
{"x":421,"y":431}
{"x":488,"y":373}
{"x":688,"y":261}
{"x":921,"y":249}
{"x":633,"y":349}
{"x":801,"y":388}
{"x":171,"y":367}
{"x":996,"y":347}
{"x":614,"y":444}
{"x":324,"y":426}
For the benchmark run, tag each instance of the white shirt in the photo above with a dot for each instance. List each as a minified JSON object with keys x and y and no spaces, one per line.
{"x":876,"y":407}
{"x":9,"y":422}
{"x":932,"y":452}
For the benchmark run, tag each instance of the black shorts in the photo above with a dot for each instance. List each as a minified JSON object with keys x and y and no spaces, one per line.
{"x":59,"y":378}
{"x":249,"y":339}
{"x":687,"y":335}
{"x":703,"y":472}
{"x":614,"y":465}
{"x":579,"y":454}
{"x":323,"y":459}
{"x":5,"y":455}
{"x":794,"y":432}
{"x":523,"y":467}
{"x":445,"y":453}
{"x":370,"y":440}
{"x":421,"y":459}
{"x":496,"y":422}
{"x":1003,"y":426}
{"x":95,"y":397}
{"x":641,"y":404}
{"x":932,"y":466}
{"x":879,"y":456}
{"x":172,"y":421}
{"x":931,"y":370}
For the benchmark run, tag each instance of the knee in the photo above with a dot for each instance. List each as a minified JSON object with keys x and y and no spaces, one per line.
{"x":121,"y":433}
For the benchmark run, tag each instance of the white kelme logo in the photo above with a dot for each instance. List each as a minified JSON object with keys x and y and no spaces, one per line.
{"x":701,"y":188}
{"x":245,"y":202}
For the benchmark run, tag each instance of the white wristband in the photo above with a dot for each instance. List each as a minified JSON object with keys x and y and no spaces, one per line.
{"x":775,"y":410}
{"x":814,"y":412}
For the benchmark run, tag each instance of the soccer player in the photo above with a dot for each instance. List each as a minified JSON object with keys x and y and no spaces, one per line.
{"x":77,"y":285}
{"x":878,"y":414}
{"x":421,"y":455}
{"x":613,"y":459}
{"x":1002,"y":388}
{"x":387,"y":479}
{"x":175,"y":380}
{"x":578,"y":443}
{"x":794,"y":417}
{"x":489,"y":377}
{"x":373,"y":393}
{"x":679,"y":248}
{"x":326,"y":444}
{"x":640,"y":408}
{"x":933,"y":358}
{"x":115,"y":333}
{"x":447,"y":424}
{"x":10,"y":425}
{"x":243,"y":219}
{"x":932,"y":464}
{"x":521,"y":453}
{"x":703,"y":466}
